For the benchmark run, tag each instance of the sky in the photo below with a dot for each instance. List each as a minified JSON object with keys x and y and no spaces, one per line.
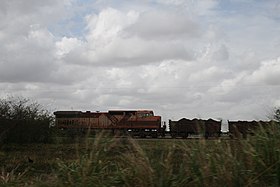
{"x":180,"y":58}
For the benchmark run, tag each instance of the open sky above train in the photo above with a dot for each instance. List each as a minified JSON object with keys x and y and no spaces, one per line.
{"x":180,"y":58}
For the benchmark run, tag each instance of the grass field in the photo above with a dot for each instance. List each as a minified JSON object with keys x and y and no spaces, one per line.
{"x":109,"y":161}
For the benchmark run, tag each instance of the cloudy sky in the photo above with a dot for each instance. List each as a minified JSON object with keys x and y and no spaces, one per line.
{"x":181,"y":58}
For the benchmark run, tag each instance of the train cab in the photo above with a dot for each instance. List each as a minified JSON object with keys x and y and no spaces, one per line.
{"x":144,"y":113}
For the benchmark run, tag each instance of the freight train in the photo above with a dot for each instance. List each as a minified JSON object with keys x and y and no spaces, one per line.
{"x":143,"y":123}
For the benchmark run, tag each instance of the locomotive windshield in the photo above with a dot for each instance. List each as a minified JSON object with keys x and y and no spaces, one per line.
{"x":143,"y":114}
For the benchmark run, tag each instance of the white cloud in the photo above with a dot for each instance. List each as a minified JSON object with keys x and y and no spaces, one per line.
{"x":267,"y":74}
{"x":66,"y":45}
{"x":110,"y":39}
{"x":107,"y":25}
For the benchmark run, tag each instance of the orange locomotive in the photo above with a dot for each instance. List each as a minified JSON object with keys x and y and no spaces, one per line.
{"x":134,"y":122}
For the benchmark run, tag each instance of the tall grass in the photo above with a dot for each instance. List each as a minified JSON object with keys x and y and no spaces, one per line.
{"x":109,"y":161}
{"x":125,"y":162}
{"x":12,"y":176}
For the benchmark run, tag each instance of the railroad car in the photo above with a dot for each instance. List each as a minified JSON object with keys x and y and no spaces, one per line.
{"x":213,"y":128}
{"x":134,"y":122}
{"x":241,"y":129}
{"x":186,"y":127}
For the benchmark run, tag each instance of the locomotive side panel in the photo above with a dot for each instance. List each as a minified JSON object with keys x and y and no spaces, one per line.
{"x":136,"y":119}
{"x":103,"y":122}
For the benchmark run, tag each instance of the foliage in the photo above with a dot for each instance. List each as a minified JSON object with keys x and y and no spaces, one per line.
{"x":19,"y":108}
{"x":24,"y":121}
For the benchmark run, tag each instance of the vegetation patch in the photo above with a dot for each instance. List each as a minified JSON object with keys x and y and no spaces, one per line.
{"x":110,"y":161}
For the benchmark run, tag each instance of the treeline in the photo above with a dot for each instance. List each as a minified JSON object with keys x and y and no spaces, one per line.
{"x":24,"y":121}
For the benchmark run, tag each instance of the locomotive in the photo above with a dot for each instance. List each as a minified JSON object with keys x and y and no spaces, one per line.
{"x":140,"y":123}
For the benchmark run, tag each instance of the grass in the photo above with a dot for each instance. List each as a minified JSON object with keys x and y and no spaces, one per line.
{"x":109,"y":161}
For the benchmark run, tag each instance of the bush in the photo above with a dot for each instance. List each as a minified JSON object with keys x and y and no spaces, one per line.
{"x":23,"y":121}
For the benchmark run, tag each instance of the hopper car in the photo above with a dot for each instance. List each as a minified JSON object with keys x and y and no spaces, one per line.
{"x":186,"y":127}
{"x":241,"y":129}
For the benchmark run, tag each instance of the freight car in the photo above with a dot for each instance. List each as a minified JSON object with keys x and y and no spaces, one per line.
{"x":241,"y":129}
{"x":186,"y":127}
{"x":140,"y":123}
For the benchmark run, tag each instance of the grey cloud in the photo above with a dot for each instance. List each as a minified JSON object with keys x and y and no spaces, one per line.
{"x":221,"y":54}
{"x":18,"y":16}
{"x":27,"y":58}
{"x":164,"y":26}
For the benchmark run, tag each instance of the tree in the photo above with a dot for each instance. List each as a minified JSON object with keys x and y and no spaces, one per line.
{"x":19,"y":108}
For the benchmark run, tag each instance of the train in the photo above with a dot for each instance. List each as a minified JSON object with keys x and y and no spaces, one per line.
{"x":143,"y":123}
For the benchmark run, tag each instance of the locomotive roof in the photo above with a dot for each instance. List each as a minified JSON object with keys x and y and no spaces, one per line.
{"x":66,"y":112}
{"x":130,"y":110}
{"x":110,"y":111}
